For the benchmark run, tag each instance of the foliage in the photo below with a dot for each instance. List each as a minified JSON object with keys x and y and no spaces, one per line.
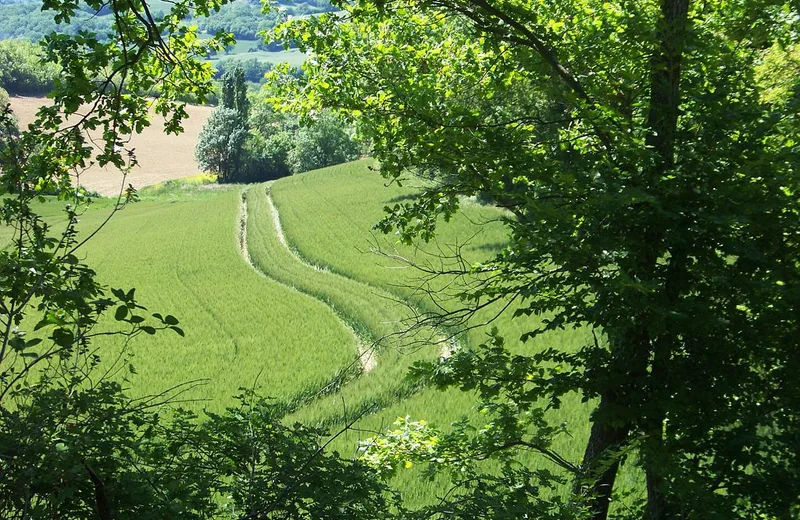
{"x":73,"y":444}
{"x":23,"y":71}
{"x":777,"y":72}
{"x":617,"y":135}
{"x":241,"y":146}
{"x":269,"y":470}
{"x":519,"y":492}
{"x":10,"y":126}
{"x":325,"y":141}
{"x":253,"y":68}
{"x":244,"y":19}
{"x":64,"y":426}
{"x":234,"y":93}
{"x":220,"y":146}
{"x":27,"y":20}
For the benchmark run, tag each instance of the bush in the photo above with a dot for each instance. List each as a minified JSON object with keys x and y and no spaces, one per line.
{"x":325,"y":142}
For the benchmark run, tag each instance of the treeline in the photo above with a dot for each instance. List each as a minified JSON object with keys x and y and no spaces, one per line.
{"x":243,"y":18}
{"x":253,"y":68}
{"x":27,"y":20}
{"x":22,"y":71}
{"x":246,"y":140}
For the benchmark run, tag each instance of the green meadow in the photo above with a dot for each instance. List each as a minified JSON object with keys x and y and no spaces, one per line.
{"x":285,"y":287}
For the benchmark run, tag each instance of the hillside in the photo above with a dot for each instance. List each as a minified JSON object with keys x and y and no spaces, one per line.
{"x":303,"y":315}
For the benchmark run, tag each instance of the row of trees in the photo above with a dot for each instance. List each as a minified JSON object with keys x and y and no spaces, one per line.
{"x":254,"y":69}
{"x":245,"y":19}
{"x":241,"y":143}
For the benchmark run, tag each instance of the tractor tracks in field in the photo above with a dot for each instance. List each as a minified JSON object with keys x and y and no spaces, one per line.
{"x":366,"y":360}
{"x":372,"y":314}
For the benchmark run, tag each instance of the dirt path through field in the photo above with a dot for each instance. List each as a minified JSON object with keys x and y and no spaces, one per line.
{"x":161,"y":157}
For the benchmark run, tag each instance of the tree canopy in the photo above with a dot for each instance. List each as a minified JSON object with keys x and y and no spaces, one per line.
{"x":651,"y":178}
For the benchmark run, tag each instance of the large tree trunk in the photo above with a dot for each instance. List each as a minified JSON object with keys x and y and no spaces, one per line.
{"x":663,"y":121}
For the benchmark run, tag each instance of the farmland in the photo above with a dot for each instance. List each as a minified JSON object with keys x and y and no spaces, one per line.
{"x":249,"y":49}
{"x":276,"y":288}
{"x":161,"y":157}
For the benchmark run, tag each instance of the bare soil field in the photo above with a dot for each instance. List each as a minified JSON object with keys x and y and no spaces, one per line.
{"x":161,"y":157}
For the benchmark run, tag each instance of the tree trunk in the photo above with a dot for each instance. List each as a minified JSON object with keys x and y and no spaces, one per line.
{"x":663,"y":121}
{"x":601,"y":462}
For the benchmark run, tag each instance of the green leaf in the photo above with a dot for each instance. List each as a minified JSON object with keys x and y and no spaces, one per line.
{"x":63,"y":337}
{"x":121,"y":313}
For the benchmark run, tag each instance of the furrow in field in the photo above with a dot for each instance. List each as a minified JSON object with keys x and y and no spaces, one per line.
{"x":366,"y":357}
{"x":376,"y":315}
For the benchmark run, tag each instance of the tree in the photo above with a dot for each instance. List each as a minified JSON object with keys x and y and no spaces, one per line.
{"x":272,"y":137}
{"x":22,"y":71}
{"x":220,"y":147}
{"x":73,"y":444}
{"x":9,"y":128}
{"x":221,"y":143}
{"x":324,"y":141}
{"x":653,"y":186}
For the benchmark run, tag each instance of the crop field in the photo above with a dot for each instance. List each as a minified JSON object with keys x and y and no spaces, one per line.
{"x":242,"y":329}
{"x":161,"y":157}
{"x":319,"y":211}
{"x":277,"y":287}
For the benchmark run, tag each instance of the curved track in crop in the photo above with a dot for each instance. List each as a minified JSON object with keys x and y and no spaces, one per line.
{"x":374,"y":315}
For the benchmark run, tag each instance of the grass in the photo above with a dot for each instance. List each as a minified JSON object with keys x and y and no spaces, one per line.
{"x":287,"y":322}
{"x":242,"y":328}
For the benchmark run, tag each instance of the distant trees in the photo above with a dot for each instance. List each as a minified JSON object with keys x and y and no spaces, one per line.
{"x":324,"y":143}
{"x":222,"y":139}
{"x":254,"y":69}
{"x":245,"y":19}
{"x":22,"y":70}
{"x":242,"y":147}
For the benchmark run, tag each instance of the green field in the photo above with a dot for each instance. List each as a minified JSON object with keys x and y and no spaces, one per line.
{"x":278,"y":286}
{"x":247,"y":49}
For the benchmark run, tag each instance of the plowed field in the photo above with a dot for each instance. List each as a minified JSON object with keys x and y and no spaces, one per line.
{"x":161,"y":157}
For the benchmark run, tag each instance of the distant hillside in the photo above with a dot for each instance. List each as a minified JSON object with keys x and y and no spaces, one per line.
{"x":243,"y":18}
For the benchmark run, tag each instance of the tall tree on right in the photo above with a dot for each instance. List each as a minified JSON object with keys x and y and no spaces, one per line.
{"x":652,"y":177}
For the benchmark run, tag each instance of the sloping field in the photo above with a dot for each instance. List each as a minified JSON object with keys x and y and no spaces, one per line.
{"x":161,"y":156}
{"x":276,"y":286}
{"x":242,"y":329}
{"x":375,"y":313}
{"x":327,"y":216}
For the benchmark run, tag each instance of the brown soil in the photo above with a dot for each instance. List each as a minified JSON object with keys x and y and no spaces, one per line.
{"x":161,"y":157}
